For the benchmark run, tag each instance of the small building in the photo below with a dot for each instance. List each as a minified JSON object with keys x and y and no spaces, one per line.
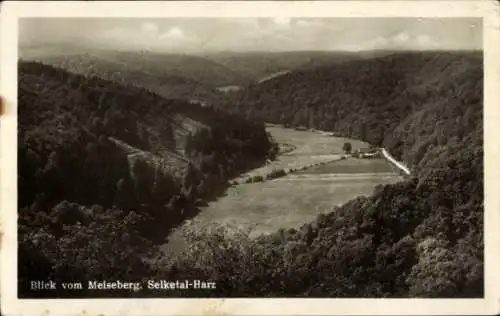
{"x":370,"y":155}
{"x":367,"y":153}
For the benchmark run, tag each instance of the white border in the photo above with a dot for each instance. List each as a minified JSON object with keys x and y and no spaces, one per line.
{"x":11,"y":11}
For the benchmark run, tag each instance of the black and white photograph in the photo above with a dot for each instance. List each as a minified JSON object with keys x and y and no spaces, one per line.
{"x":259,"y":156}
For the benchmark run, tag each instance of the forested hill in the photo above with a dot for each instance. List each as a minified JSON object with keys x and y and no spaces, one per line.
{"x":258,"y":65}
{"x":98,"y":159}
{"x":375,"y":99}
{"x":170,"y":75}
{"x":422,"y":237}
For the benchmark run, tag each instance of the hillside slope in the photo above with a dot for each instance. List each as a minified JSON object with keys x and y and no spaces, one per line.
{"x":98,"y":159}
{"x":366,"y":99}
{"x":258,"y":65}
{"x":422,"y":237}
{"x":170,"y":75}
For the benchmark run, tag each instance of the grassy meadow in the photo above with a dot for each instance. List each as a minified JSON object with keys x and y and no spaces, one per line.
{"x":297,"y":198}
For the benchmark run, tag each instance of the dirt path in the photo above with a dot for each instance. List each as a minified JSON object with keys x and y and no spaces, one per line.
{"x":398,"y":164}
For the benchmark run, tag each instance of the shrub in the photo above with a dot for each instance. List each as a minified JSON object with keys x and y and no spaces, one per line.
{"x":277,"y":173}
{"x":258,"y":179}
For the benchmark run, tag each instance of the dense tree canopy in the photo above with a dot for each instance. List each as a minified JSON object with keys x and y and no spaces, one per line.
{"x":99,"y":161}
{"x":369,"y":98}
{"x":114,"y":167}
{"x":422,"y":237}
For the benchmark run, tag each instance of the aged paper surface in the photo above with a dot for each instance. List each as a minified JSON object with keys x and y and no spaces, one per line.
{"x":179,"y":28}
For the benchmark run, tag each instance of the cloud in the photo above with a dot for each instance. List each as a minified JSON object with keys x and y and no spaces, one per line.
{"x":113,"y":33}
{"x":147,"y":36}
{"x":425,"y":41}
{"x":375,"y":43}
{"x":310,"y":23}
{"x":149,"y":27}
{"x":280,"y":33}
{"x":247,"y":23}
{"x":378,"y":42}
{"x":304,"y":23}
{"x":401,"y":38}
{"x":173,"y":33}
{"x":282,"y":22}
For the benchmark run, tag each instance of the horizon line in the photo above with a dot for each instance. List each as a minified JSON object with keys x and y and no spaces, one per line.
{"x":229,"y":51}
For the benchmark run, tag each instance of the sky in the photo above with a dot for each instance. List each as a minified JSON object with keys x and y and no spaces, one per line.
{"x":256,"y":34}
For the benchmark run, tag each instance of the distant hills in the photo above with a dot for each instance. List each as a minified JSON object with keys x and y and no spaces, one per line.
{"x":259,"y":65}
{"x":199,"y":76}
{"x":374,"y":99}
{"x":170,"y":75}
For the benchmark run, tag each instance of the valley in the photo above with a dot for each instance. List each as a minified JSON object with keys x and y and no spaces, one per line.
{"x":322,"y":182}
{"x":165,"y":163}
{"x":331,"y":227}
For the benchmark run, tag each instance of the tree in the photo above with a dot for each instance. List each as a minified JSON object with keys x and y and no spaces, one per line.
{"x":347,"y":148}
{"x":124,"y":194}
{"x":167,"y":135}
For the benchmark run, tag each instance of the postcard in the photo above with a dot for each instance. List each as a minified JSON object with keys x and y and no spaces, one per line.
{"x":250,"y":158}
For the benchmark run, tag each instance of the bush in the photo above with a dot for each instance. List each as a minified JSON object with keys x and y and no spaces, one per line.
{"x":277,"y":173}
{"x":258,"y":179}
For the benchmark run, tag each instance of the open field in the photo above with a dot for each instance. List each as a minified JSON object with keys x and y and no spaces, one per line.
{"x":312,"y":143}
{"x":311,"y":148}
{"x":297,"y":198}
{"x":287,"y":202}
{"x":352,"y":165}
